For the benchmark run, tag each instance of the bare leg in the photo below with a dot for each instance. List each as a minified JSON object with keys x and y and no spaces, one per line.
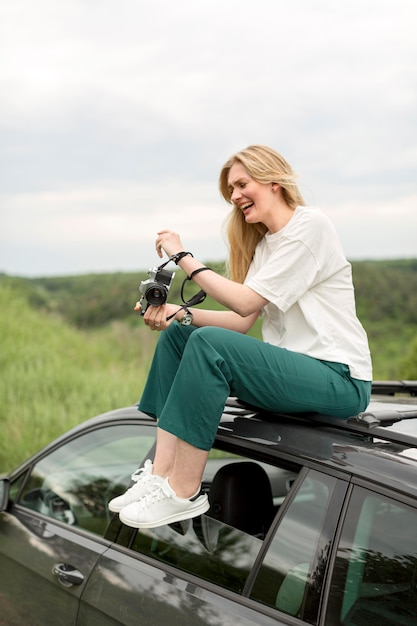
{"x":170,"y":500}
{"x":181,"y":462}
{"x":187,"y":473}
{"x":166,"y":448}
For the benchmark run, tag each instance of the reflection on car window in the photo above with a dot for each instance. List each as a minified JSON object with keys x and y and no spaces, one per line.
{"x":293,"y":565}
{"x":375,"y":576}
{"x":75,"y":482}
{"x":205,"y":547}
{"x":222,"y":545}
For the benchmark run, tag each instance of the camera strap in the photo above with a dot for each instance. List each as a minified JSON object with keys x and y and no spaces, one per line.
{"x":198,"y":298}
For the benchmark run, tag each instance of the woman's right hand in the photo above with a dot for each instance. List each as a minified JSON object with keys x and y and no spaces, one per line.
{"x":156,"y":316}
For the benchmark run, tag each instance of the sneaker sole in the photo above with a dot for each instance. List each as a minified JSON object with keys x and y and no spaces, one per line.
{"x":170,"y":519}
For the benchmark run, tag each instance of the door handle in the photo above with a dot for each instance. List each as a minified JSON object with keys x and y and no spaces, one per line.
{"x":67,"y":575}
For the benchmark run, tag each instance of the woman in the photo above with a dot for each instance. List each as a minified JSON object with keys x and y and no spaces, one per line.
{"x":286,"y":265}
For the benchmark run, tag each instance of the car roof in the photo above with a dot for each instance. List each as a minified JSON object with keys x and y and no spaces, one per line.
{"x":378,"y":445}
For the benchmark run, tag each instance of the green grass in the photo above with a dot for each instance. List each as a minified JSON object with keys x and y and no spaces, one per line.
{"x":57,"y":370}
{"x":54,"y":376}
{"x":392,"y":348}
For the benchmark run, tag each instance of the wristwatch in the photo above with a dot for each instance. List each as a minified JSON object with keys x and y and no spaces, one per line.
{"x":187,"y":318}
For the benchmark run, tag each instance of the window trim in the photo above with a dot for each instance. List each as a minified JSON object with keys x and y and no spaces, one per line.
{"x":330,"y":526}
{"x":378,"y":489}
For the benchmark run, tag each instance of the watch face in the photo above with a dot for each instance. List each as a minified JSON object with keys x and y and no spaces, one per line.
{"x":187,"y":319}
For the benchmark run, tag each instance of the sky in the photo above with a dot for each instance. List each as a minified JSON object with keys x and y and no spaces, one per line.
{"x":116,"y":117}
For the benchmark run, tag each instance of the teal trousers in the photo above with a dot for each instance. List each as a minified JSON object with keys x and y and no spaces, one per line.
{"x":195,"y":370}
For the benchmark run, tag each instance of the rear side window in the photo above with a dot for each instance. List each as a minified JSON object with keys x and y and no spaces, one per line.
{"x":375,"y":575}
{"x":291,"y":575}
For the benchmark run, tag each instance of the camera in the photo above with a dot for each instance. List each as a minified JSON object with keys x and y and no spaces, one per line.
{"x":155,"y":289}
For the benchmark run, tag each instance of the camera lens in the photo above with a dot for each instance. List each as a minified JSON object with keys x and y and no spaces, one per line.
{"x":156,"y":294}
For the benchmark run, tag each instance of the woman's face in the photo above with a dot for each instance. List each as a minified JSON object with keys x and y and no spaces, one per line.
{"x":257,"y":201}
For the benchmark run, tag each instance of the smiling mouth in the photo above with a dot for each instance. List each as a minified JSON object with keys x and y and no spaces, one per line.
{"x":246,"y":207}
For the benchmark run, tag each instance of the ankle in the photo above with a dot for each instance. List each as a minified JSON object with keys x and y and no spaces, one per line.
{"x":184,"y":492}
{"x":163,"y":472}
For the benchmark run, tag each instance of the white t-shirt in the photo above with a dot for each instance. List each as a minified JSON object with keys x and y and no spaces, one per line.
{"x":303,"y":272}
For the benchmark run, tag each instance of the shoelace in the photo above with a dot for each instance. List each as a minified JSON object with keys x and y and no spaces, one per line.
{"x":160,"y":491}
{"x":141,"y":474}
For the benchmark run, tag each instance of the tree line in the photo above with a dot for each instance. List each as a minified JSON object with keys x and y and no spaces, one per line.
{"x":386,"y":299}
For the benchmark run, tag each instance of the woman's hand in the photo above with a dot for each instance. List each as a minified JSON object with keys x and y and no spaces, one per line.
{"x":169,"y":242}
{"x":156,"y":316}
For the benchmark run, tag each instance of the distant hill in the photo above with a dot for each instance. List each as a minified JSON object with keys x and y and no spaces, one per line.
{"x":386,"y":290}
{"x":386,"y":297}
{"x":92,"y":300}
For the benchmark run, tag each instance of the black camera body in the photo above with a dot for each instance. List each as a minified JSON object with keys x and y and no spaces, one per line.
{"x":155,"y":289}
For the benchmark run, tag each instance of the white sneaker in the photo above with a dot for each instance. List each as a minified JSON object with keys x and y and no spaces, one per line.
{"x":144,"y":482}
{"x":162,"y":506}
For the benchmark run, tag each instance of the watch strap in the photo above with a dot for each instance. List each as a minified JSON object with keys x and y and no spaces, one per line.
{"x":178,"y":256}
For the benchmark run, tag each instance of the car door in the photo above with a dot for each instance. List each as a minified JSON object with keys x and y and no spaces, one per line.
{"x":43,"y":569}
{"x":224,"y":570}
{"x":186,"y":574}
{"x":131,"y":590}
{"x":53,"y":531}
{"x":155,"y":576}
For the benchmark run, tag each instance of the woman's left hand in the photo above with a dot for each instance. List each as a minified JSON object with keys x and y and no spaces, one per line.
{"x":169,"y":242}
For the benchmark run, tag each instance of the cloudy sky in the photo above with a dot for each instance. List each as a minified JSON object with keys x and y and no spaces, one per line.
{"x":116,"y":116}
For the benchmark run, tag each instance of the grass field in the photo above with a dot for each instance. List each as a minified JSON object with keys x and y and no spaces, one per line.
{"x":55,"y":375}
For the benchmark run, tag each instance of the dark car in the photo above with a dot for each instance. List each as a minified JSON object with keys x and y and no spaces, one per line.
{"x":312,"y":520}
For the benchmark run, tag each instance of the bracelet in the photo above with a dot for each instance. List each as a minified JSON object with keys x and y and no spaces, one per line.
{"x":200,"y":269}
{"x":180,"y":255}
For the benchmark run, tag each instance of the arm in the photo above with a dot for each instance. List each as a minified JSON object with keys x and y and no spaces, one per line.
{"x":234,"y":296}
{"x":224,"y":319}
{"x":237,"y":297}
{"x":156,"y":318}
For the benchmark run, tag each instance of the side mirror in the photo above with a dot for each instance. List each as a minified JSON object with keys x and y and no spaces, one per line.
{"x":4,"y":493}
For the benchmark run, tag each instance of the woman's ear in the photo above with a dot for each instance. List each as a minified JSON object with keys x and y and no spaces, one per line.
{"x":275,"y":186}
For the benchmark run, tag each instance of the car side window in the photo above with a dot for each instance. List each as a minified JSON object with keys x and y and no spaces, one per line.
{"x":204,"y":547}
{"x":222,"y":545}
{"x":75,"y":482}
{"x":292,"y":570}
{"x":375,"y":573}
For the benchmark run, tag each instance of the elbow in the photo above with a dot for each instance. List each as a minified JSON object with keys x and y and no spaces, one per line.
{"x":247,"y":303}
{"x":244,"y":309}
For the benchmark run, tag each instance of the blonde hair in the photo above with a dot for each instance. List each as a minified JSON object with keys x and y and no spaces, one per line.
{"x":264,"y":165}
